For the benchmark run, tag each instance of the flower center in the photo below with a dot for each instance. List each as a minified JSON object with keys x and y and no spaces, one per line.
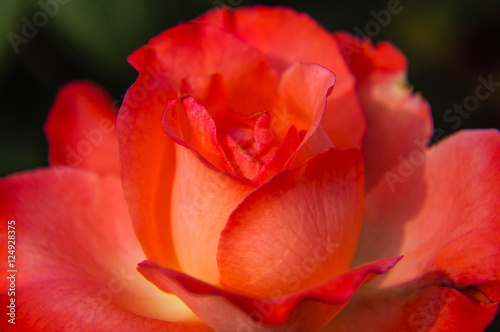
{"x":250,"y":145}
{"x":259,"y":142}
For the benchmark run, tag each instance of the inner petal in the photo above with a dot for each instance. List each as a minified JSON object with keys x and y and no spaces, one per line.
{"x":250,"y":149}
{"x":265,"y":140}
{"x":250,"y":145}
{"x":242,"y":162}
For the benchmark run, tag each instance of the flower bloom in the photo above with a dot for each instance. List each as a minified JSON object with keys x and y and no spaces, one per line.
{"x":264,"y":183}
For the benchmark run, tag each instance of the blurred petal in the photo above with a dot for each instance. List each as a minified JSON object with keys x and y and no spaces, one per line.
{"x":81,"y":129}
{"x":297,"y":230}
{"x":225,"y":311}
{"x":77,"y":255}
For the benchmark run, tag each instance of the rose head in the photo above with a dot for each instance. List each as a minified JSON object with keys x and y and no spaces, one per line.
{"x":269,"y":170}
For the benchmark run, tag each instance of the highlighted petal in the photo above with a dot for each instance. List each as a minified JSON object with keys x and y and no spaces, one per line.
{"x":81,"y":129}
{"x":77,"y":257}
{"x":309,"y":310}
{"x":297,"y":230}
{"x":202,"y":200}
{"x":147,"y":159}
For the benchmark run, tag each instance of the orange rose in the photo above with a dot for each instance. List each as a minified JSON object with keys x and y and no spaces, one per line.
{"x":270,"y":169}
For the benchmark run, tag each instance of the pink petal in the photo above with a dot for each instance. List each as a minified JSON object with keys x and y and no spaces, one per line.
{"x":81,"y":129}
{"x":225,"y":311}
{"x":76,"y":255}
{"x":413,"y":308}
{"x":297,"y":230}
{"x":443,"y":215}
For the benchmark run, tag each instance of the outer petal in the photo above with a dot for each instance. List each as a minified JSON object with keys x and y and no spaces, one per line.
{"x":200,"y":50}
{"x":148,"y":166}
{"x":224,"y":311}
{"x":269,"y":29}
{"x":452,"y":226}
{"x":396,"y":118}
{"x":297,"y":230}
{"x":414,"y":308}
{"x":76,"y":257}
{"x":81,"y":129}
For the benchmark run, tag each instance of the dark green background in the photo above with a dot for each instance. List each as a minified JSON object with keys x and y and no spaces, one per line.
{"x":448,"y":45}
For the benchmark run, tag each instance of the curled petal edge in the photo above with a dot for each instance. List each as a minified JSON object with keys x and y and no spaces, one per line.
{"x":208,"y":302}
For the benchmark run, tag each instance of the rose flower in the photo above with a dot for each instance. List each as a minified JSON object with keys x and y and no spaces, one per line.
{"x":266,"y":175}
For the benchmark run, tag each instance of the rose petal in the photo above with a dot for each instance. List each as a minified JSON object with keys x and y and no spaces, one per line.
{"x":224,"y":311}
{"x":76,"y":257}
{"x":282,"y":154}
{"x":201,"y":50}
{"x":197,"y":131}
{"x":147,"y":154}
{"x":297,"y":230}
{"x":202,"y":199}
{"x":451,"y":224}
{"x":269,"y":29}
{"x":244,"y":164}
{"x":265,"y":140}
{"x":429,"y":308}
{"x":397,"y":118}
{"x":363,"y":58}
{"x":209,"y":91}
{"x":304,"y":88}
{"x":147,"y":159}
{"x":81,"y":129}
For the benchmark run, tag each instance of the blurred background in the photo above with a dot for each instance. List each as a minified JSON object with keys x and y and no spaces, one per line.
{"x":448,"y":45}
